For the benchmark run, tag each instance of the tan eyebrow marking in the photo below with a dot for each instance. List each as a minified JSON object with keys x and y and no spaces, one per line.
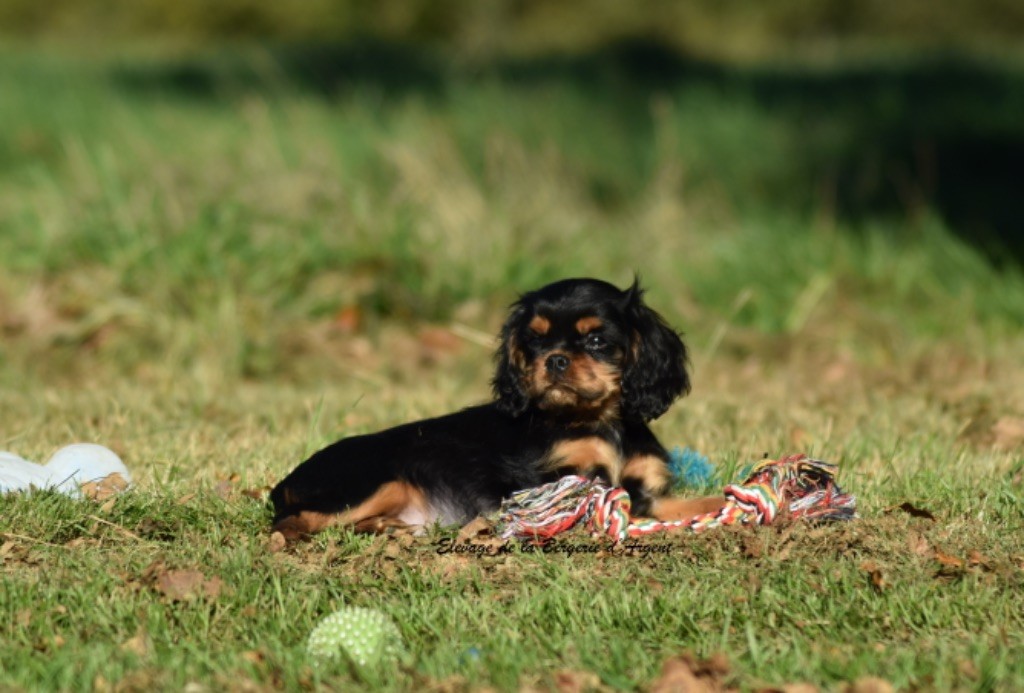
{"x":540,"y":325}
{"x":585,"y":325}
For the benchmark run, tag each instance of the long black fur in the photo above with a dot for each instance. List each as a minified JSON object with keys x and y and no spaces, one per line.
{"x":467,"y":462}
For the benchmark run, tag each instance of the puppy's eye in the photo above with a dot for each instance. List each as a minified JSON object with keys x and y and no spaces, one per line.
{"x":595,"y":341}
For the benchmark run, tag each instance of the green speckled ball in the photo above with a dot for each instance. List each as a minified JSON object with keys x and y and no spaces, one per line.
{"x":365,"y":637}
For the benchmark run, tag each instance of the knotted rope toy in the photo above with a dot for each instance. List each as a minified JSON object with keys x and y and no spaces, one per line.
{"x":802,"y":486}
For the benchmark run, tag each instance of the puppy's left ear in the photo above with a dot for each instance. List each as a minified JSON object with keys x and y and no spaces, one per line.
{"x":655,"y":372}
{"x":510,"y":366}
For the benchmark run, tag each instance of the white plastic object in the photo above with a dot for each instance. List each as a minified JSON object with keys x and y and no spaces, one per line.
{"x":68,"y":468}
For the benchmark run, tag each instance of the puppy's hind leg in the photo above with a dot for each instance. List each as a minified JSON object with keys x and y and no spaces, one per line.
{"x":384,"y":508}
{"x":301,"y":524}
{"x":667,"y":509}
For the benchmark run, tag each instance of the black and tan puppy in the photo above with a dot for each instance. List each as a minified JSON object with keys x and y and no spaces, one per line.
{"x":582,"y":367}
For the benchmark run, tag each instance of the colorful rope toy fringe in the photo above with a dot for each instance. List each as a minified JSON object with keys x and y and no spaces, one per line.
{"x":797,"y":484}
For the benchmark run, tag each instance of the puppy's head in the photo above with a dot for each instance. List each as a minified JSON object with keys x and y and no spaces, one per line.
{"x":582,"y":349}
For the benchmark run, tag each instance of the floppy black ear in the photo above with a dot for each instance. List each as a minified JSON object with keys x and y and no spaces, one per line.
{"x":655,"y":373}
{"x":508,"y":376}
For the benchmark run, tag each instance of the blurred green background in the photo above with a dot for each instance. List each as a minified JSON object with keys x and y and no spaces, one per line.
{"x":736,"y":28}
{"x":177,"y":177}
{"x":877,"y":108}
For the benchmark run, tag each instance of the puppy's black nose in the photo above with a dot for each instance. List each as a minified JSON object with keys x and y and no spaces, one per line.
{"x":557,"y":364}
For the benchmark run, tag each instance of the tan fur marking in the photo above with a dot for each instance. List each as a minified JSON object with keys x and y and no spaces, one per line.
{"x":540,"y":325}
{"x":584,"y":455}
{"x":588,"y":386}
{"x":515,"y":354}
{"x":378,"y":525}
{"x":585,"y":325}
{"x":388,"y":501}
{"x":683,"y":508}
{"x":650,"y":471}
{"x":376,"y":513}
{"x":592,"y":378}
{"x":588,"y":372}
{"x":303,"y":524}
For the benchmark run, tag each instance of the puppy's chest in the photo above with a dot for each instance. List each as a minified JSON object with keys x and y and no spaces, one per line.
{"x":590,"y":456}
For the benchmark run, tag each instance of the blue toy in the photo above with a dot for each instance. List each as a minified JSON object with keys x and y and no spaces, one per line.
{"x":690,"y":469}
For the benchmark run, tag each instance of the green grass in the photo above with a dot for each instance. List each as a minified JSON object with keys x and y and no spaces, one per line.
{"x":176,"y":271}
{"x":790,"y":605}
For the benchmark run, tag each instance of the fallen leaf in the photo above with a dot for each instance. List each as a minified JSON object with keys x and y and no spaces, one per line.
{"x":156,"y":530}
{"x":967,"y":669}
{"x":183,"y":585}
{"x":567,"y":681}
{"x":348,"y":319}
{"x":798,"y":688}
{"x":212,"y":587}
{"x":254,"y":656}
{"x":450,"y":684}
{"x":186,"y":499}
{"x":717,"y":664}
{"x":104,"y":488}
{"x":1008,"y":433}
{"x":869,"y":684}
{"x":837,"y":371}
{"x":437,"y":342}
{"x":975,"y":558}
{"x":474,"y":528}
{"x":874,"y":574}
{"x":652,"y":586}
{"x":950,"y":567}
{"x":677,"y":676}
{"x":276,"y":543}
{"x":138,"y":644}
{"x":687,"y":674}
{"x":918,"y":545}
{"x":947,"y":560}
{"x":224,"y":489}
{"x":1018,"y":476}
{"x":79,"y":542}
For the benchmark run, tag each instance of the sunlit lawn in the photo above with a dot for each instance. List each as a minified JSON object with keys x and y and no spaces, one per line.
{"x":216,"y":286}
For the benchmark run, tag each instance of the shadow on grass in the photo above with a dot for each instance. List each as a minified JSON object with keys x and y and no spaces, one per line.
{"x":878,"y":139}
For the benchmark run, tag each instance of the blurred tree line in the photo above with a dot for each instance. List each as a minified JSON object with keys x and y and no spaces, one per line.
{"x":483,"y":28}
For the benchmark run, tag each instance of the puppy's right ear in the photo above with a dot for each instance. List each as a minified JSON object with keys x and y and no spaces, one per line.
{"x":511,"y":366}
